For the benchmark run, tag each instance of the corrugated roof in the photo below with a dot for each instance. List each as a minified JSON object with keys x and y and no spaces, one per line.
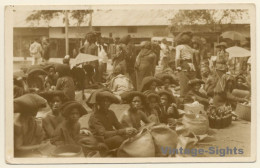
{"x":151,"y":17}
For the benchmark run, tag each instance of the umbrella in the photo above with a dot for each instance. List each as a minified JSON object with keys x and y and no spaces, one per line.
{"x":83,"y":58}
{"x":233,"y":35}
{"x":236,"y":51}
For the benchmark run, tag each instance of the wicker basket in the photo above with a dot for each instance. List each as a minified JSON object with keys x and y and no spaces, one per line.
{"x":243,"y":111}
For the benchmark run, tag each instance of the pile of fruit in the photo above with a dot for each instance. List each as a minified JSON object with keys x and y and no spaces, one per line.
{"x":220,"y":117}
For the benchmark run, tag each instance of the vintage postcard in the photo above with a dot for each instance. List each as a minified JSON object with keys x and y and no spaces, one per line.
{"x":130,"y":83}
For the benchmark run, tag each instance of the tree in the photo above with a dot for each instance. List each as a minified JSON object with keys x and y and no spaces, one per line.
{"x":47,"y":15}
{"x":209,"y":17}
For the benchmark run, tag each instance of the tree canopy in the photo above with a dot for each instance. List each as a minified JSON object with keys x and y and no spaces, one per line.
{"x":209,"y":17}
{"x":47,"y":15}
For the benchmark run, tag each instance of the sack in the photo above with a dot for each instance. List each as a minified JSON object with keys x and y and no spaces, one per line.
{"x":195,"y":107}
{"x":196,"y":123}
{"x":164,"y":137}
{"x":68,"y":151}
{"x":243,"y":111}
{"x":141,"y":145}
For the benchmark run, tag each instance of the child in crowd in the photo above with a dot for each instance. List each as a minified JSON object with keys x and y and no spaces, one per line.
{"x":135,"y":114}
{"x":168,"y":109}
{"x":54,"y":119}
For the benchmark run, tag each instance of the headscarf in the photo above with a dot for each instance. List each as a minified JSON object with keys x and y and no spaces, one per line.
{"x":68,"y":106}
{"x":147,"y":81}
{"x":125,"y":39}
{"x":128,"y":96}
{"x":29,"y":103}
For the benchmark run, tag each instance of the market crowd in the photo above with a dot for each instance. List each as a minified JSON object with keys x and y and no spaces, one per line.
{"x":155,"y":79}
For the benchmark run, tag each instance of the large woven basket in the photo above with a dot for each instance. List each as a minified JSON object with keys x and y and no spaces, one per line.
{"x":243,"y":111}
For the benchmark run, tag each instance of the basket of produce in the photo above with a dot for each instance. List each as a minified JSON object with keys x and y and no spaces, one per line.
{"x":220,"y":117}
{"x":244,"y":111}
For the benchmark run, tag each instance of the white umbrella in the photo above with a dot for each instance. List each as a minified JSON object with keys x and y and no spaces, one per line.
{"x":236,"y":51}
{"x":83,"y":58}
{"x":233,"y":35}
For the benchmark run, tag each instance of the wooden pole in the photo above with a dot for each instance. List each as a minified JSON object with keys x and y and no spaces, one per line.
{"x":66,"y":32}
{"x":90,"y":21}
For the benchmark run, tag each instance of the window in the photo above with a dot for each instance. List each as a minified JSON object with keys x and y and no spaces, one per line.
{"x":63,"y":30}
{"x":132,"y":29}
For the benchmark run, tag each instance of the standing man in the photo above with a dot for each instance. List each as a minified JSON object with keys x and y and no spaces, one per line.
{"x":164,"y":54}
{"x":46,"y":50}
{"x":35,"y":51}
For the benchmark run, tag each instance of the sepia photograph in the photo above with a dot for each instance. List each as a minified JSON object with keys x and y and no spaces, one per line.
{"x":130,"y":83}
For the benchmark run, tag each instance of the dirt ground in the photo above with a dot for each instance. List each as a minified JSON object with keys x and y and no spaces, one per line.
{"x":238,"y":134}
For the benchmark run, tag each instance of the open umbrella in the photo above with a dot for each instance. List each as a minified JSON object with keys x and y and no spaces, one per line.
{"x":83,"y":58}
{"x":236,"y":51}
{"x":233,"y":35}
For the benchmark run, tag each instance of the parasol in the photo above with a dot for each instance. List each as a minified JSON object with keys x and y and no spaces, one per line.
{"x":236,"y":51}
{"x":83,"y":58}
{"x":233,"y":35}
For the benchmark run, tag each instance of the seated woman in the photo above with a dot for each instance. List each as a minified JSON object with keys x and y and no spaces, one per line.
{"x":195,"y":95}
{"x":223,"y":92}
{"x":28,"y":134}
{"x":104,"y":124}
{"x":241,"y":83}
{"x":53,"y":119}
{"x":135,"y":114}
{"x":152,"y":107}
{"x":168,"y":109}
{"x":65,"y":82}
{"x":149,"y":84}
{"x":119,"y":83}
{"x":168,"y":82}
{"x":51,"y":79}
{"x":68,"y":132}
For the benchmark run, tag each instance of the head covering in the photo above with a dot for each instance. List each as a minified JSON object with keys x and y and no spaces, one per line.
{"x":164,"y":76}
{"x":63,"y":70}
{"x":36,"y":71}
{"x":146,"y":45}
{"x":152,"y":95}
{"x":240,"y":76}
{"x":128,"y":96}
{"x":168,"y":94}
{"x":147,"y":81}
{"x":106,"y":94}
{"x":125,"y":39}
{"x":48,"y":95}
{"x":91,"y":37}
{"x":29,"y":103}
{"x":91,"y":101}
{"x":222,"y":44}
{"x":68,"y":106}
{"x":195,"y":81}
{"x":184,"y":37}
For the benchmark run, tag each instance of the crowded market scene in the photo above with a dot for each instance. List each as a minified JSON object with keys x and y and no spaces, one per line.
{"x":128,"y":88}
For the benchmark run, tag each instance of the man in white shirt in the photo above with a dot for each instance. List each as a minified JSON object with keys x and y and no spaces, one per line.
{"x":35,"y":51}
